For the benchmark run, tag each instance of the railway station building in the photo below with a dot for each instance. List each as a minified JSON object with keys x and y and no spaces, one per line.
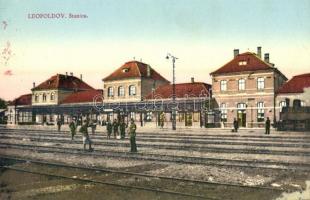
{"x":245,"y":89}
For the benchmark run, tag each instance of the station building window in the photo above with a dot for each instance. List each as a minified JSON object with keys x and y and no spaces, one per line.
{"x":52,"y":96}
{"x":260,"y":112}
{"x":121,"y":91}
{"x":132,"y":90}
{"x":224,"y":112}
{"x":44,"y":97}
{"x":223,"y":85}
{"x":260,"y":83}
{"x":110,"y":92}
{"x":241,"y":84}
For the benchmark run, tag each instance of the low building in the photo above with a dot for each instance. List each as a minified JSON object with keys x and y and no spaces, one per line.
{"x":245,"y":89}
{"x":293,"y":103}
{"x":193,"y":100}
{"x":19,"y":110}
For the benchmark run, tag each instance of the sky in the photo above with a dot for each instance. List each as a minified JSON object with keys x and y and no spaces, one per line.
{"x":201,"y":33}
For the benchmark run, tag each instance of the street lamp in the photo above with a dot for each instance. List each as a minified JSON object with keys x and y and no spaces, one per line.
{"x":173,"y":90}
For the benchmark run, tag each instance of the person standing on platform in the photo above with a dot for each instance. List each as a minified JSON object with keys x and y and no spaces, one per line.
{"x":236,"y":125}
{"x":72,"y":127}
{"x":58,"y":124}
{"x":132,"y":134}
{"x":93,"y":126}
{"x":115,"y":128}
{"x":123,"y":129}
{"x":267,"y":126}
{"x":162,"y":119}
{"x":86,"y":138}
{"x":109,"y":129}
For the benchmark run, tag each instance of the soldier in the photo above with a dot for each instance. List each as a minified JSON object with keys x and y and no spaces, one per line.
{"x":162,"y":119}
{"x":115,"y":128}
{"x":132,"y":134}
{"x":93,"y":126}
{"x":58,"y":124}
{"x":86,"y":138}
{"x":72,"y":127}
{"x":236,"y":125}
{"x":267,"y":126}
{"x":109,"y":129}
{"x":123,"y":129}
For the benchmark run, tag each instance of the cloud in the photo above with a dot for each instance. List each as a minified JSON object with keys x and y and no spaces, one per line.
{"x":8,"y":73}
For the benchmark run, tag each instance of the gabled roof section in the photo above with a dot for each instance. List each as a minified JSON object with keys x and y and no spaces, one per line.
{"x":244,"y":62}
{"x":134,"y":69}
{"x":87,"y":96}
{"x":60,"y":81}
{"x":296,"y":84}
{"x":182,"y":90}
{"x":22,"y":100}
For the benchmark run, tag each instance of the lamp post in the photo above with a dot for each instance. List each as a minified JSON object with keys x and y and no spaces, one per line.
{"x":173,"y":90}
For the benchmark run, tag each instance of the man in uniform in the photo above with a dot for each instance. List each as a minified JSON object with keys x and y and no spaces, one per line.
{"x":72,"y":127}
{"x":132,"y":134}
{"x":109,"y":129}
{"x":236,"y":125}
{"x":267,"y":126}
{"x":123,"y":129}
{"x":115,"y":128}
{"x":58,"y":124}
{"x":162,"y":119}
{"x":86,"y":138}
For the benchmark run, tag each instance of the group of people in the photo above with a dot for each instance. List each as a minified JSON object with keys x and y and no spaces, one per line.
{"x":267,"y":126}
{"x":117,"y":127}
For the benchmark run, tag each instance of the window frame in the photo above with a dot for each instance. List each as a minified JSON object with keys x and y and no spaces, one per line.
{"x":110,"y":92}
{"x":223,"y":85}
{"x":121,"y":91}
{"x":241,"y":84}
{"x":223,"y":112}
{"x":260,"y":83}
{"x":260,"y":112}
{"x":132,"y":90}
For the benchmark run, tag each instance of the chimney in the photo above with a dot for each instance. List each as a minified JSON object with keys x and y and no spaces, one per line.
{"x":66,"y":74}
{"x":148,"y":71}
{"x":236,"y":52}
{"x":259,"y":52}
{"x":266,"y":57}
{"x":71,"y":73}
{"x":81,"y":76}
{"x":192,"y":80}
{"x":34,"y":84}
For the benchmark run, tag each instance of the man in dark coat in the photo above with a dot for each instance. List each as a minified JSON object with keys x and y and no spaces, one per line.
{"x":109,"y":129}
{"x":236,"y":125}
{"x":123,"y":129}
{"x":132,"y":134}
{"x":58,"y":124}
{"x":72,"y":127}
{"x":115,"y":128}
{"x":267,"y":126}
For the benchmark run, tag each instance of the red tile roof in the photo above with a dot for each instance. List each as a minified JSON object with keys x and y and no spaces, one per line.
{"x":22,"y":100}
{"x":253,"y":63}
{"x":135,"y":70}
{"x":83,"y":96}
{"x":61,"y":81}
{"x":296,"y":84}
{"x":182,"y":90}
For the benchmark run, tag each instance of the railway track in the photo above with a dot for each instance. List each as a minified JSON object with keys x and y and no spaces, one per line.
{"x":66,"y":139}
{"x":166,"y":158}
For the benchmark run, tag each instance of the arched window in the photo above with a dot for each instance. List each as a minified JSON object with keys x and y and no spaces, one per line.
{"x":52,"y":96}
{"x":110,"y":92}
{"x":44,"y":97}
{"x":121,"y":91}
{"x":132,"y":90}
{"x":241,"y":84}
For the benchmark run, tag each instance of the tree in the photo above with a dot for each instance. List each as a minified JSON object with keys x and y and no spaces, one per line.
{"x":3,"y":104}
